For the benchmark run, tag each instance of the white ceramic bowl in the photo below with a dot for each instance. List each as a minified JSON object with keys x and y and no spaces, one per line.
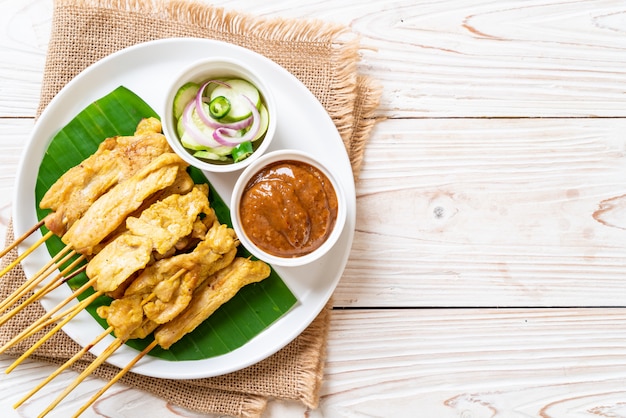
{"x":240,"y":187}
{"x":199,"y":72}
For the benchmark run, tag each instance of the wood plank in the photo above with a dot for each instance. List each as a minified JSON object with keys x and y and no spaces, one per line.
{"x":434,"y":58}
{"x":15,"y":133}
{"x":490,"y":212}
{"x":476,"y":363}
{"x":24,"y":32}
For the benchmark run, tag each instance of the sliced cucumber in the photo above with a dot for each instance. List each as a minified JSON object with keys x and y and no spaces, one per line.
{"x":183,"y":96}
{"x":209,"y":155}
{"x":239,"y":107}
{"x":190,"y":143}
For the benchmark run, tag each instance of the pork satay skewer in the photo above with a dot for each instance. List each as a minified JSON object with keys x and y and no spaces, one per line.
{"x":49,"y":319}
{"x":157,"y":175}
{"x":21,"y":239}
{"x":214,"y":292}
{"x":70,"y":196}
{"x":111,"y":209}
{"x":124,"y":335}
{"x":163,"y":282}
{"x":194,"y":203}
{"x":163,"y":179}
{"x":115,"y":159}
{"x":182,"y":210}
{"x":210,"y":296}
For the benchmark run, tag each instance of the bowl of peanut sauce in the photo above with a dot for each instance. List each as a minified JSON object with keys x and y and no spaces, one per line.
{"x":287,"y":208}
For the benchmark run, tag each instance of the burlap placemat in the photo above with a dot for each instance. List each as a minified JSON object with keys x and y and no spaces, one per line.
{"x":323,"y":56}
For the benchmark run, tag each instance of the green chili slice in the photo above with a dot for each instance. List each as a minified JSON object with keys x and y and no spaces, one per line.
{"x":242,"y":151}
{"x":219,"y":107}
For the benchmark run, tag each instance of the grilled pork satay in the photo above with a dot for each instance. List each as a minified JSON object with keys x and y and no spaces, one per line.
{"x":173,"y":296}
{"x":163,"y":289}
{"x":209,"y":297}
{"x":158,"y":228}
{"x":172,"y":218}
{"x":218,"y":240}
{"x":112,"y":208}
{"x":115,"y":159}
{"x":182,"y":185}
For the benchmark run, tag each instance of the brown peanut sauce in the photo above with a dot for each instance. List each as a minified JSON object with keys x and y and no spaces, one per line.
{"x":288,"y":208}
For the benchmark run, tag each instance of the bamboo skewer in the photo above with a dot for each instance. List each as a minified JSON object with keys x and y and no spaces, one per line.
{"x":25,"y":253}
{"x":115,"y":378}
{"x":117,"y":343}
{"x":63,"y":367}
{"x":53,"y":284}
{"x":68,"y":317}
{"x":36,"y":326}
{"x":45,"y":271}
{"x":72,"y":312}
{"x":30,"y":284}
{"x":22,"y":238}
{"x":62,"y":277}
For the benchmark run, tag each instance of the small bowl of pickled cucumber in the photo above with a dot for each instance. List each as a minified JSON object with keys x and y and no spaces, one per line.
{"x":219,"y":115}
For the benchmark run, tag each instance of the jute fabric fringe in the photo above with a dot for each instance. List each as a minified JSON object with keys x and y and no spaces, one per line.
{"x":323,"y":56}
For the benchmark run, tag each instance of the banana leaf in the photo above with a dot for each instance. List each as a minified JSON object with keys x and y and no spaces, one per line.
{"x":252,"y":310}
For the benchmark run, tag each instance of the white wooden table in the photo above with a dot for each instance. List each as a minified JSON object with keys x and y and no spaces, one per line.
{"x":488,"y":273}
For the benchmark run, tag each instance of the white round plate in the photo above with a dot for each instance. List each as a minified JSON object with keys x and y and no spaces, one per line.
{"x":304,"y":124}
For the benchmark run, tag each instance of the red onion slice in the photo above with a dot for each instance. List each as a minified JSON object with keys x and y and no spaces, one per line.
{"x":192,"y":129}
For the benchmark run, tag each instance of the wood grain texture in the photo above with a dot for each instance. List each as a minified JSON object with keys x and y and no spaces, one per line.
{"x":25,"y":29}
{"x":12,"y":140}
{"x":435,"y":58}
{"x":490,"y":212}
{"x":476,"y":363}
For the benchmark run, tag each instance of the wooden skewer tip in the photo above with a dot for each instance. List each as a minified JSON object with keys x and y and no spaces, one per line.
{"x":117,"y":377}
